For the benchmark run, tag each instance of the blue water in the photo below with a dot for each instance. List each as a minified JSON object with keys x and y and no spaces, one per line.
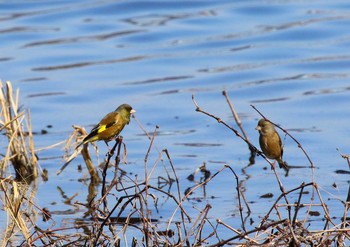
{"x":76,"y":61}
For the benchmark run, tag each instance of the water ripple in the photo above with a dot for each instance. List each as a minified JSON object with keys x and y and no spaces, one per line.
{"x":81,"y":39}
{"x":91,"y":63}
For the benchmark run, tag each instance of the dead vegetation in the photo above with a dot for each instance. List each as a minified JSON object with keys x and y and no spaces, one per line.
{"x":15,"y":125}
{"x":121,"y":212}
{"x":18,"y":159}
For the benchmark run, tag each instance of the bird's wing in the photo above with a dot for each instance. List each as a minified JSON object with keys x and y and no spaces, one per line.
{"x":109,"y":120}
{"x":280,"y":142}
{"x":92,"y":133}
{"x":104,"y":124}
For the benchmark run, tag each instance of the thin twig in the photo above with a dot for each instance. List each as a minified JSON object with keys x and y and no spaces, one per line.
{"x":238,"y":121}
{"x":251,"y":146}
{"x":239,"y":193}
{"x":104,"y":171}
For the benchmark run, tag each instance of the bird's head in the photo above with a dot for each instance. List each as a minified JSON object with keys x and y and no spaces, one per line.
{"x":264,"y":127}
{"x":125,"y":110}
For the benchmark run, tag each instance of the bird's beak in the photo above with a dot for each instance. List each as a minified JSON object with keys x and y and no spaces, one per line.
{"x":132,"y":111}
{"x":258,"y":128}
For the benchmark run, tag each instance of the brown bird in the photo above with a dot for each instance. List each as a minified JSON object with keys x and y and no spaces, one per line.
{"x":270,"y":142}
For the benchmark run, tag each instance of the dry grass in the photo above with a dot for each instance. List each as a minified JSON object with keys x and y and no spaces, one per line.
{"x":19,"y":157}
{"x":15,"y":124}
{"x":76,"y":137}
{"x":17,"y":199}
{"x":120,"y":214}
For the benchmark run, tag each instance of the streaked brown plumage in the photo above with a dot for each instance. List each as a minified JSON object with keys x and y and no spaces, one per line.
{"x":270,"y":142}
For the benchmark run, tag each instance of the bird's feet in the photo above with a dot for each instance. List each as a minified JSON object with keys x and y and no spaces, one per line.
{"x":110,"y":151}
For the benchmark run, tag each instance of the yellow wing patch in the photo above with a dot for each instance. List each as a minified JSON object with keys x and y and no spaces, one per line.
{"x":102,"y":128}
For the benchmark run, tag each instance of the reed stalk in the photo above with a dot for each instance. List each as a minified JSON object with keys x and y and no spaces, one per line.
{"x":16,"y":127}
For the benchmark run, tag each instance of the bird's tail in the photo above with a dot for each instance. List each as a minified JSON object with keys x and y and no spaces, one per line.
{"x":71,"y":157}
{"x":283,"y":164}
{"x":77,"y":150}
{"x":81,"y":143}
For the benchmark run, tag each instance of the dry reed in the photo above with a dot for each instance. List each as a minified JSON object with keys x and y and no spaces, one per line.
{"x":17,"y":193}
{"x":15,"y":123}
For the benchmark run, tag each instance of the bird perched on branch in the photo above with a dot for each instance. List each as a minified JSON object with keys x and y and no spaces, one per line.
{"x":270,"y":142}
{"x":107,"y":129}
{"x":110,"y":126}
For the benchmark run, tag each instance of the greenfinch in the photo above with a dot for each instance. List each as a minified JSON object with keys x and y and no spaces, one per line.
{"x":110,"y":126}
{"x":270,"y":142}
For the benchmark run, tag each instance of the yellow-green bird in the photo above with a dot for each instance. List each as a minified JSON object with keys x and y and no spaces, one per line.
{"x":107,"y":129}
{"x":270,"y":142}
{"x":111,"y":125}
